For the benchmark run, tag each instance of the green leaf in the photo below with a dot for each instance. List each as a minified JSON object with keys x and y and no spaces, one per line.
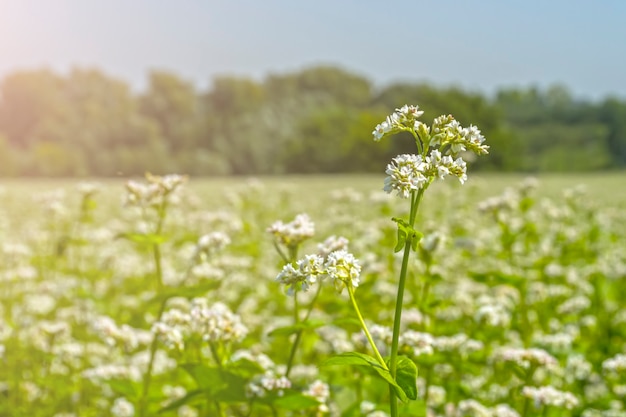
{"x":360,"y":359}
{"x":124,"y":388}
{"x":414,"y":409}
{"x":245,"y":368}
{"x":406,"y":376}
{"x":218,"y":384}
{"x":147,"y":239}
{"x":296,"y":401}
{"x":351,"y":358}
{"x":347,"y":322}
{"x":190,"y":398}
{"x":401,"y":240}
{"x":406,"y":232}
{"x":293,"y":329}
{"x":187,"y":292}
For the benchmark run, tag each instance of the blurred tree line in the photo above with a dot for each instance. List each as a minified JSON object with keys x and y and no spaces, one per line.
{"x":317,"y":120}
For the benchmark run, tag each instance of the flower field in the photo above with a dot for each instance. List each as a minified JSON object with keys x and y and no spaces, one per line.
{"x":514,"y":299}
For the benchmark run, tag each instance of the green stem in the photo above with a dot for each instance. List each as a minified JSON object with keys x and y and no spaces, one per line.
{"x":416,"y":198}
{"x":215,"y":354}
{"x":364,"y":326}
{"x":156,"y":252}
{"x":281,"y":253}
{"x":427,"y":384}
{"x":296,"y":342}
{"x":298,"y":338}
{"x":147,"y":380}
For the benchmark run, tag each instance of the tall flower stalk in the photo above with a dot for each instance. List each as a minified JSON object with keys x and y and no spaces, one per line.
{"x":409,"y":176}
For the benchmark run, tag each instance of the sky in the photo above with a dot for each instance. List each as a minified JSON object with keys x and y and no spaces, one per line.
{"x":480,"y":45}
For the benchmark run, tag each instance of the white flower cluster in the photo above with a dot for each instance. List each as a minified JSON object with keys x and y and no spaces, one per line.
{"x":493,"y":315}
{"x":340,"y":265}
{"x":306,"y":273}
{"x":550,"y":396}
{"x":331,"y":244}
{"x":419,"y":343}
{"x":260,"y":359}
{"x":293,"y":233}
{"x":616,"y":364}
{"x":211,"y":324}
{"x":402,"y":119}
{"x":155,"y":192}
{"x":344,"y":269}
{"x":321,"y":392}
{"x":448,"y":132}
{"x":212,"y":242}
{"x":472,"y":408}
{"x":526,"y":357}
{"x":268,"y":382}
{"x":127,"y":336}
{"x":122,"y":408}
{"x":407,"y":172}
{"x":112,"y":371}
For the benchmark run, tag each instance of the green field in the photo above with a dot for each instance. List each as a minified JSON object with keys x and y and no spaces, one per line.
{"x":130,"y":302}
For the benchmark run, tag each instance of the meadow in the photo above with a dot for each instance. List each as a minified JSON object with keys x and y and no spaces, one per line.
{"x":162,"y":296}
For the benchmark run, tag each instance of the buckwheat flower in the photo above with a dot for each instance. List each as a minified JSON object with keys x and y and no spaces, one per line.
{"x":417,"y":343}
{"x":331,"y":244}
{"x":439,"y":128}
{"x":112,"y":371}
{"x":406,"y":173}
{"x":436,"y":396}
{"x":293,"y":233}
{"x":574,"y":305}
{"x":474,"y":140}
{"x":472,"y":408}
{"x":378,"y":413}
{"x":503,"y":410}
{"x":381,"y":130}
{"x":187,"y":411}
{"x":260,"y":359}
{"x":494,"y":315}
{"x":212,"y":242}
{"x":557,"y":342}
{"x":172,"y":337}
{"x":88,"y":188}
{"x":616,"y":364}
{"x":577,"y":368}
{"x":526,"y":357}
{"x":216,"y":323}
{"x":301,"y":277}
{"x":550,"y":396}
{"x":169,"y":182}
{"x":344,"y":269}
{"x":123,"y":408}
{"x":269,"y":382}
{"x":318,"y":390}
{"x":366,"y":407}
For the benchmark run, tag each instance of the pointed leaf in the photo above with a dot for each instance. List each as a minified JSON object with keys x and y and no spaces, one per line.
{"x":293,"y":329}
{"x":144,"y":238}
{"x":401,"y":240}
{"x":124,"y":387}
{"x":360,"y":359}
{"x":218,"y":384}
{"x":190,"y":398}
{"x":407,"y":376}
{"x":414,"y":409}
{"x":296,"y":401}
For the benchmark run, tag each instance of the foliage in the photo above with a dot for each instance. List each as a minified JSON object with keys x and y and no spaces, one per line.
{"x":87,"y":123}
{"x":513,"y":306}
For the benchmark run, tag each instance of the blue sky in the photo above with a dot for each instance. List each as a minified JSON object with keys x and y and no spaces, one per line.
{"x":478,"y":45}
